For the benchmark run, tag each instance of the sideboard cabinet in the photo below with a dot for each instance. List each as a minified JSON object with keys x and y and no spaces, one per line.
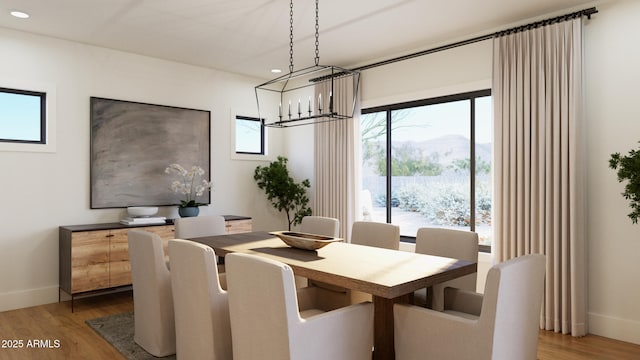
{"x":95,"y":257}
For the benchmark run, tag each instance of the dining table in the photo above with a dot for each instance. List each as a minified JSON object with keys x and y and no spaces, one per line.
{"x":390,"y":276}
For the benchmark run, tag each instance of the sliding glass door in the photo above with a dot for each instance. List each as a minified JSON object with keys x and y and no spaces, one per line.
{"x":428,"y":163}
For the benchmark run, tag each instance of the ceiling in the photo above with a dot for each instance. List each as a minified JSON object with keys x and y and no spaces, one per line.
{"x":252,"y":36}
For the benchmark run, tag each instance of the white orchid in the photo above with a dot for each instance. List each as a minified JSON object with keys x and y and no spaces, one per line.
{"x":188,"y":186}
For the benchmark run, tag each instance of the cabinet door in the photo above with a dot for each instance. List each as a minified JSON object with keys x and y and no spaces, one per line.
{"x":89,"y":260}
{"x":238,"y":226}
{"x":119,"y":265}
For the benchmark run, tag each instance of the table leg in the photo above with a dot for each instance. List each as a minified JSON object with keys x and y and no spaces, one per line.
{"x":383,"y":342}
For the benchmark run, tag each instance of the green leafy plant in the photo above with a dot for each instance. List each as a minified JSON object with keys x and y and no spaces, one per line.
{"x":187,"y":185}
{"x":283,"y":192}
{"x":628,"y":168}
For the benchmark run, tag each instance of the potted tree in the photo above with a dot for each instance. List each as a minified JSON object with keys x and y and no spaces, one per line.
{"x":282,"y":190}
{"x":628,"y":168}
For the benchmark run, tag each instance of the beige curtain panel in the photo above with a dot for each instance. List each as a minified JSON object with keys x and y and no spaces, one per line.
{"x":336,"y":148}
{"x":539,"y":166}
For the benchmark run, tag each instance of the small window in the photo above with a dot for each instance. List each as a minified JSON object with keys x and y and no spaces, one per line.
{"x":23,"y":116}
{"x":249,"y":136}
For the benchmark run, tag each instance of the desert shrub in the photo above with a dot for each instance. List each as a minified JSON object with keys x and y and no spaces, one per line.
{"x":411,"y":197}
{"x":448,"y":207}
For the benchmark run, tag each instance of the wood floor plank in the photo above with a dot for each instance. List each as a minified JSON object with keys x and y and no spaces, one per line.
{"x":554,"y":346}
{"x":78,"y":341}
{"x":52,"y":331}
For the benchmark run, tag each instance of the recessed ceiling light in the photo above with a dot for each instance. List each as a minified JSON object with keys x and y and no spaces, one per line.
{"x":276,"y":71}
{"x":20,"y":14}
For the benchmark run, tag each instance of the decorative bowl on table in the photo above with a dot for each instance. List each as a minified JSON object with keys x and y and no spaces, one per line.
{"x":304,"y":241}
{"x":142,"y":211}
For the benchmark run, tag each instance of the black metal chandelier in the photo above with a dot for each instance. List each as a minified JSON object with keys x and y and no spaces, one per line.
{"x":310,"y":95}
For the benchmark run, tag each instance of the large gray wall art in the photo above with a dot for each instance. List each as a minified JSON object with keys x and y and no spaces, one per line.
{"x":132,"y":144}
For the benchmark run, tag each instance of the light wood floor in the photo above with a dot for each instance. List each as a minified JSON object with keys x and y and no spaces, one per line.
{"x":56,"y":323}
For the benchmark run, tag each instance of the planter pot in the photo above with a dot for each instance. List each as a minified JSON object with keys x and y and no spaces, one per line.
{"x":188,"y":211}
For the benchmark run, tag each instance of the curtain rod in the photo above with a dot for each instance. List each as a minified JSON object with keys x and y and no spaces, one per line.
{"x":586,"y":12}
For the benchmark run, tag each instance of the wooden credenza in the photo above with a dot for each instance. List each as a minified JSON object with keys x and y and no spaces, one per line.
{"x":94,"y":258}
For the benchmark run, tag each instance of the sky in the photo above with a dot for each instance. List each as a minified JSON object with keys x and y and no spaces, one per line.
{"x":19,"y":117}
{"x":433,"y":121}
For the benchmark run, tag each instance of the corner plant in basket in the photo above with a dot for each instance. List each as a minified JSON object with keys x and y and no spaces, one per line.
{"x":189,"y":186}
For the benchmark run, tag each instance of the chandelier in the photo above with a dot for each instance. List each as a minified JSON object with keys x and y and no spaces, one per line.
{"x":310,"y":95}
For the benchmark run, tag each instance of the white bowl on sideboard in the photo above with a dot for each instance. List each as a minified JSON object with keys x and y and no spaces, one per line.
{"x":140,"y":211}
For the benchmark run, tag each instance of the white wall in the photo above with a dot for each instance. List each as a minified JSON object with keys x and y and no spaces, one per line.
{"x":453,"y":71}
{"x":612,"y":56}
{"x":298,"y":147}
{"x":41,"y":191}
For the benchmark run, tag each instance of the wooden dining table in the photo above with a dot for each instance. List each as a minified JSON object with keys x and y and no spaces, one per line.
{"x":390,"y":276}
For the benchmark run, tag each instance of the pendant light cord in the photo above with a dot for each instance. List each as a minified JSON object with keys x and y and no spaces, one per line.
{"x":317,"y":37}
{"x":317,"y":58}
{"x":291,"y":37}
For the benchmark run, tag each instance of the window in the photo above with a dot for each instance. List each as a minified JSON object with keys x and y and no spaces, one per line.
{"x":249,"y":136}
{"x":23,"y":116}
{"x":428,"y":163}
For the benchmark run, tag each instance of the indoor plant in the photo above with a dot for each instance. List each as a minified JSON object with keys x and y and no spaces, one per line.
{"x":189,"y":186}
{"x":283,"y":192}
{"x":628,"y":168}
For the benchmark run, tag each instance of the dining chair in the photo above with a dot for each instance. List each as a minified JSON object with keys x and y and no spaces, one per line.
{"x":267,"y":321}
{"x":368,"y":233}
{"x":201,"y":305}
{"x":456,"y":244}
{"x":502,"y":324}
{"x":376,"y":234}
{"x":199,"y":226}
{"x":319,"y":225}
{"x":154,"y":327}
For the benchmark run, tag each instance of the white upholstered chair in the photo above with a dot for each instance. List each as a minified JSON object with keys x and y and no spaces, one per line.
{"x":267,"y":322}
{"x":154,"y":328}
{"x":376,"y":234}
{"x":200,"y":304}
{"x":198,"y":226}
{"x":457,"y":244}
{"x":319,"y":225}
{"x":501,"y":325}
{"x":366,"y":233}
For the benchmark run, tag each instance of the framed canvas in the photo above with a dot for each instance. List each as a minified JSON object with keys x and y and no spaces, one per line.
{"x":133,"y":143}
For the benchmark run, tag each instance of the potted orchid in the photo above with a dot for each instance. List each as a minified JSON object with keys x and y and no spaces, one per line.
{"x":189,"y":186}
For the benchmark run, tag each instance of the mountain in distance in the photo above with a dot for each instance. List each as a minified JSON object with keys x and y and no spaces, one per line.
{"x":448,"y":148}
{"x":453,"y":147}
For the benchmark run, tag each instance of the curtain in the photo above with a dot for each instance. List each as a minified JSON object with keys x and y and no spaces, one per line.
{"x":539,"y":201}
{"x":336,"y":148}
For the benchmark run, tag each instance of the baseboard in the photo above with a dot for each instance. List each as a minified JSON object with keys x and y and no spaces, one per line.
{"x":614,"y":328}
{"x":27,"y":298}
